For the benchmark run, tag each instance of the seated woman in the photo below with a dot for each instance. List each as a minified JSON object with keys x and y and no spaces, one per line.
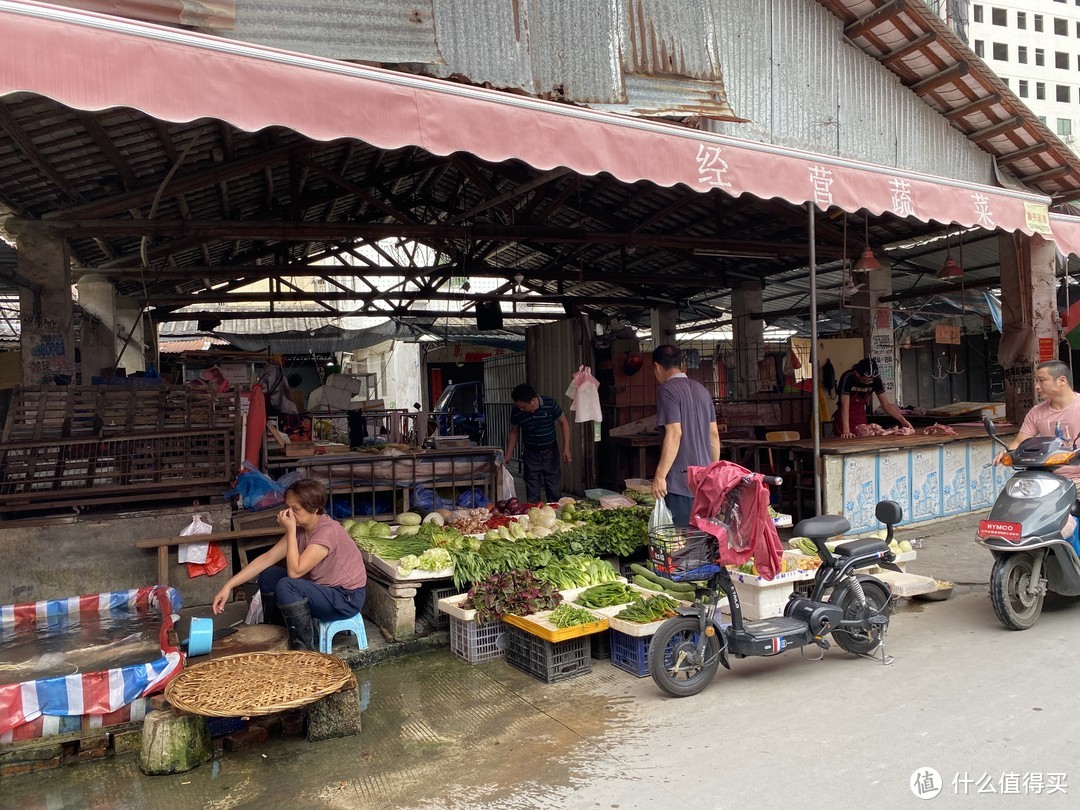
{"x":314,"y":570}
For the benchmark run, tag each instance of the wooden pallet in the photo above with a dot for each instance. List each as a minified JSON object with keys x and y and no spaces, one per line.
{"x":61,"y":412}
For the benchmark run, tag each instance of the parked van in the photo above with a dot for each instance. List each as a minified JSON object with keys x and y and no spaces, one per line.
{"x":460,"y":411}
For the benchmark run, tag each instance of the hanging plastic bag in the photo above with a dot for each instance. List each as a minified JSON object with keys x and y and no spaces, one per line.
{"x":195,"y":552}
{"x":505,"y":489}
{"x":660,"y":515}
{"x":586,"y":404}
{"x":215,"y":562}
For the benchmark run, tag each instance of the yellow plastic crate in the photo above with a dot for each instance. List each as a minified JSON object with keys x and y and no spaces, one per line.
{"x":538,"y":625}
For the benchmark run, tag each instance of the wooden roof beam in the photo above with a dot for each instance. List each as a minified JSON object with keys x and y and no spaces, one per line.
{"x":931,"y":83}
{"x":978,"y":105}
{"x":870,"y":19}
{"x":996,"y":130}
{"x":890,"y":59}
{"x":25,"y":144}
{"x":1024,"y":153}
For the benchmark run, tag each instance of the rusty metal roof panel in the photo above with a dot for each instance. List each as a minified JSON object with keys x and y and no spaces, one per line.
{"x":361,"y":30}
{"x":670,"y":37}
{"x":668,"y":95}
{"x":495,"y":51}
{"x":575,"y":50}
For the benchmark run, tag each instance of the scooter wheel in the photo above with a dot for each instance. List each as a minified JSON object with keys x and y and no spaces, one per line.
{"x":674,"y":662}
{"x":863,"y":642}
{"x":1010,"y":591}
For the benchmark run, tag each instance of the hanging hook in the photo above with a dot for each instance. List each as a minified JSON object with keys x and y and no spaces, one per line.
{"x":941,"y":371}
{"x":953,"y":367}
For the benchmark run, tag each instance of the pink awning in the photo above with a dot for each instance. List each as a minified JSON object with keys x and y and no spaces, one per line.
{"x":93,"y":62}
{"x":1066,"y":233}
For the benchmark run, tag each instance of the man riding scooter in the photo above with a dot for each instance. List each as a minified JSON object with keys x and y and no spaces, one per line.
{"x":1058,"y":414}
{"x":1032,"y":528}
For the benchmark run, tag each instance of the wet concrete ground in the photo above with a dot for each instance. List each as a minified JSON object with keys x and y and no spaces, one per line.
{"x":964,"y":697}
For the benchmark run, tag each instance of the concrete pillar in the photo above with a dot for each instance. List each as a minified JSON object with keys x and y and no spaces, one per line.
{"x":1029,"y":316}
{"x":45,"y":309}
{"x":749,"y":335}
{"x":871,"y":319}
{"x":97,"y":344}
{"x":129,"y":319}
{"x":663,"y":321}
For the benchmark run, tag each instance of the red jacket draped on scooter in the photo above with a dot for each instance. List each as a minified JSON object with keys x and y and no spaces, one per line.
{"x":749,"y":531}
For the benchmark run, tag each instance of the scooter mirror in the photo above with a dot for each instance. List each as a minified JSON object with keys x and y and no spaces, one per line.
{"x":988,"y":423}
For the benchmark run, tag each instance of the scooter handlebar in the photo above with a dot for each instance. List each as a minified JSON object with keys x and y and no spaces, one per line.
{"x":772,"y":480}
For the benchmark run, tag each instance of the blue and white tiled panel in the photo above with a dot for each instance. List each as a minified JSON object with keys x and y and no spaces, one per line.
{"x":926,"y":483}
{"x":860,"y":491}
{"x":955,"y":494}
{"x":986,"y":480}
{"x":894,"y":481}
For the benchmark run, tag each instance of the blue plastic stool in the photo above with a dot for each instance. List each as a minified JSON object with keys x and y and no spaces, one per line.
{"x":354,"y":625}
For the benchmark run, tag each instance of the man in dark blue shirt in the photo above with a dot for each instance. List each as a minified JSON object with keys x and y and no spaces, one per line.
{"x":532,"y":420}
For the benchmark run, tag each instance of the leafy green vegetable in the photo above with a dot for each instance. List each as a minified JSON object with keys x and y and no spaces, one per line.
{"x":570,"y":616}
{"x":517,"y":592}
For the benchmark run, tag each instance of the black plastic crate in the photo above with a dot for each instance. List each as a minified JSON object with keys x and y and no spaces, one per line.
{"x":601,"y":645}
{"x":547,"y":660}
{"x":430,"y":606}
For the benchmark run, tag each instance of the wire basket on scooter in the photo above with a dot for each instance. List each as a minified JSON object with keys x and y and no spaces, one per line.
{"x":682,"y":554}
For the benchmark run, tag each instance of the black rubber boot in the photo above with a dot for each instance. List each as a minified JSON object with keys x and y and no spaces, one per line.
{"x":301,"y":626}
{"x":271,"y":611}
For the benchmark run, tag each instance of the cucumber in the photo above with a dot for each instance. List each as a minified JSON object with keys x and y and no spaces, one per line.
{"x":648,"y":584}
{"x":663,"y":582}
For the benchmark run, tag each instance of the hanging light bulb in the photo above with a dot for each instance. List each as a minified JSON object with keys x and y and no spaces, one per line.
{"x":867,"y":262}
{"x":950,"y":270}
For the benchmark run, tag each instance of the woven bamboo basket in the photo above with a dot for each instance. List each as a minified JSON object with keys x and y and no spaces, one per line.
{"x":258,"y":683}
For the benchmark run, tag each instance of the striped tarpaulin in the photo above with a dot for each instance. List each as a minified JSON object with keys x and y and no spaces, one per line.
{"x":102,"y":693}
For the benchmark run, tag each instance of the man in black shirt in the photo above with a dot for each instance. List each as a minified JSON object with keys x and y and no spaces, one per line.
{"x":854,"y":391}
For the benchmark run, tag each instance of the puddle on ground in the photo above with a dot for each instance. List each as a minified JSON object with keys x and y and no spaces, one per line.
{"x":437,"y":733}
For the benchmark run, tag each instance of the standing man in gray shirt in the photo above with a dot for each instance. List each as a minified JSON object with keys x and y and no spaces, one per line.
{"x":685,"y":410}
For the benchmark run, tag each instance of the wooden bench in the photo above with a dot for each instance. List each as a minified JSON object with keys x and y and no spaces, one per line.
{"x":245,"y":539}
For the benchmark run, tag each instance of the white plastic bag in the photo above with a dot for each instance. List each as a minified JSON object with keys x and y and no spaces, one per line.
{"x":586,"y":404}
{"x":195,"y":552}
{"x":660,"y":516}
{"x":255,"y":609}
{"x":505,"y":486}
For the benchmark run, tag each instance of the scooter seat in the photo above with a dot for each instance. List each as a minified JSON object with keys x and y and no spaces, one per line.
{"x":822,"y":526}
{"x":857,"y":548}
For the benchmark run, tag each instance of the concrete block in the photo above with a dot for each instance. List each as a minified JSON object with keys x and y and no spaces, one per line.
{"x":173,"y":743}
{"x":396,"y":616}
{"x":336,"y":715}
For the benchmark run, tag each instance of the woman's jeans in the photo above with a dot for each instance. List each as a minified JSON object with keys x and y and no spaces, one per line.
{"x":325,"y":602}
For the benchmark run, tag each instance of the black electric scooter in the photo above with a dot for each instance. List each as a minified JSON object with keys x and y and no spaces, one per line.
{"x":852,"y":608}
{"x":1029,"y":531}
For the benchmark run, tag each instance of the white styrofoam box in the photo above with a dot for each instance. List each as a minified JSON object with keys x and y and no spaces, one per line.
{"x":345,"y":382}
{"x":763,"y":602}
{"x":328,"y":398}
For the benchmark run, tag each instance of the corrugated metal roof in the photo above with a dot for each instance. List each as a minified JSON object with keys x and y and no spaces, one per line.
{"x":389,"y":31}
{"x":218,"y":13}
